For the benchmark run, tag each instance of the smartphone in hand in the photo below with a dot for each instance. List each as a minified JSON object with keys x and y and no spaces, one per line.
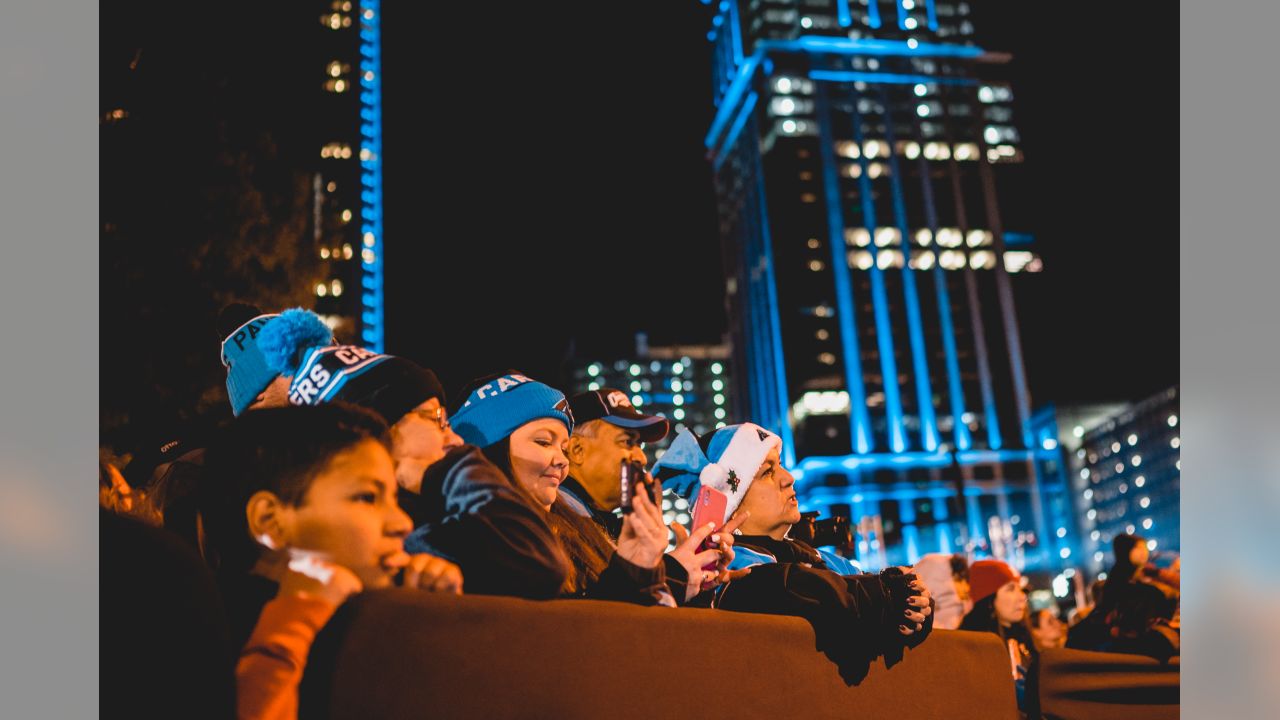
{"x":632,"y":479}
{"x":709,"y":507}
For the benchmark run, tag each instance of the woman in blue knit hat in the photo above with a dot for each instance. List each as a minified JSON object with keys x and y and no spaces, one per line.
{"x":523,"y":426}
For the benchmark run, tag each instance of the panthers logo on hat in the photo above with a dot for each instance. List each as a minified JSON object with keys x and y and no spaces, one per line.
{"x":618,"y":399}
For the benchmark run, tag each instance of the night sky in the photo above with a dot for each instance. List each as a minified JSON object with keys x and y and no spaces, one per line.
{"x":506,"y":267}
{"x":547,"y":193}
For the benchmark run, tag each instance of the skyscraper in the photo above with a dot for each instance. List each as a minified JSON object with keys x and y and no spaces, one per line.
{"x":856,"y":150}
{"x":347,"y":186}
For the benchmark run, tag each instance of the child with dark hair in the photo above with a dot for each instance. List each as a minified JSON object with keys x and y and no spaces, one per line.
{"x":301,"y":514}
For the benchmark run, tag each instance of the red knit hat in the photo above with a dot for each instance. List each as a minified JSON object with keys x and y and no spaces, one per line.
{"x":988,"y":576}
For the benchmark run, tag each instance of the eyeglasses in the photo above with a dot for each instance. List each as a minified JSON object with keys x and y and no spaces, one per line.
{"x":436,"y":416}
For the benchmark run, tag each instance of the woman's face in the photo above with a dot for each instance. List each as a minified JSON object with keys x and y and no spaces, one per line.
{"x":1011,"y":603}
{"x":538,"y":458}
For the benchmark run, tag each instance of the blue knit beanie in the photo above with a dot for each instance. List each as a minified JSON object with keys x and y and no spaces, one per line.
{"x":496,"y":409}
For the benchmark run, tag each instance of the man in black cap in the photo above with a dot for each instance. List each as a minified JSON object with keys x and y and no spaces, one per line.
{"x":607,"y":430}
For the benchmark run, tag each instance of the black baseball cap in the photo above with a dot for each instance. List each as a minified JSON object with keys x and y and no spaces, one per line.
{"x":614,"y":407}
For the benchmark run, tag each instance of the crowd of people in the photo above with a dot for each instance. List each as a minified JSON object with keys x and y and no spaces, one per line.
{"x":344,"y":471}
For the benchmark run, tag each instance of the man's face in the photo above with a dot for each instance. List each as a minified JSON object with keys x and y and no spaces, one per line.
{"x":275,"y":395}
{"x":771,"y":500}
{"x":419,"y":440}
{"x":596,"y":456}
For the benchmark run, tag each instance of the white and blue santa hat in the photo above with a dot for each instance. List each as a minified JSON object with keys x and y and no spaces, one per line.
{"x":728,"y":462}
{"x":497,"y":408}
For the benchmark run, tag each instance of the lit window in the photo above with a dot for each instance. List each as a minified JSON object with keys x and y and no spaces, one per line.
{"x":913,"y":43}
{"x":922,"y":260}
{"x":950,"y":237}
{"x":716,"y":368}
{"x":1136,"y":460}
{"x":860,"y":237}
{"x":783,"y":106}
{"x":1147,"y":523}
{"x":324,"y":253}
{"x":1115,"y":446}
{"x":1088,"y":494}
{"x":1062,"y":532}
{"x":593,"y":369}
{"x":815,"y":265}
{"x":334,"y":21}
{"x":910,"y":24}
{"x":635,"y":386}
{"x":335,"y":287}
{"x":1130,"y":529}
{"x":1019,"y":260}
{"x":1094,"y":536}
{"x":718,"y":399}
{"x":923,"y":236}
{"x":886,"y":236}
{"x":368,"y":256}
{"x":634,"y":369}
{"x":851,"y":170}
{"x":332,"y":186}
{"x":1084,"y":474}
{"x":1065,"y":553}
{"x":813,"y":243}
{"x":368,"y":14}
{"x":637,"y":400}
{"x":978,"y":238}
{"x":1097,"y":557}
{"x":986,"y":95}
{"x":872,"y":148}
{"x":1133,"y":440}
{"x":369,"y":239}
{"x":366,"y":154}
{"x":719,"y":413}
{"x":678,"y":413}
{"x":346,"y":216}
{"x":322,"y":289}
{"x":862,"y":260}
{"x":347,"y":252}
{"x":875,"y":170}
{"x":886,"y":259}
{"x":922,"y":110}
{"x":1119,"y":467}
{"x":789,"y":126}
{"x":1175,"y":443}
{"x":335,"y":69}
{"x":1123,"y":488}
{"x":677,"y":399}
{"x":827,"y":358}
{"x":921,"y":89}
{"x":982,"y":260}
{"x":1151,"y":544}
{"x":806,"y":22}
{"x":991,"y":135}
{"x":594,"y":386}
{"x":368,"y":76}
{"x":821,"y":335}
{"x":1173,"y":421}
{"x":847,"y":148}
{"x":911,"y":150}
{"x":782,"y":85}
{"x":951,"y":260}
{"x":1139,"y":481}
{"x":720,"y":425}
{"x":1144,"y":502}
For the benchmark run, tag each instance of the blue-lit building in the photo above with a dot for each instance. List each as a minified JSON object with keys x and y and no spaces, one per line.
{"x":690,"y":385}
{"x":1127,"y":473}
{"x":347,"y":186}
{"x":857,"y":148}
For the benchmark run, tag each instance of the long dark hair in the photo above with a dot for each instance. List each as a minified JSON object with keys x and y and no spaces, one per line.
{"x":982,"y":618}
{"x":587,"y":547}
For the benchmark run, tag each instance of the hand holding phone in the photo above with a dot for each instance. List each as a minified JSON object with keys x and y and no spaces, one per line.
{"x":632,"y":479}
{"x":708,"y":508}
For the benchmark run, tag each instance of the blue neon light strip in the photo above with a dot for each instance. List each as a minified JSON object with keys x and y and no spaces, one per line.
{"x":954,"y":386}
{"x":372,"y":330}
{"x":994,"y":438}
{"x":915,"y":328}
{"x":902,"y":14}
{"x":859,"y":421}
{"x":907,"y":460}
{"x":880,"y":300}
{"x":886,"y":78}
{"x":814,"y":44}
{"x":779,"y":418}
{"x":873,"y":16}
{"x":933,"y":14}
{"x":843,"y":16}
{"x":736,"y":130}
{"x":735,"y":28}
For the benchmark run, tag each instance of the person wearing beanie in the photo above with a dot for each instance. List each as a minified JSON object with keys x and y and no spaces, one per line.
{"x":523,"y":427}
{"x":857,"y":617}
{"x":251,"y":382}
{"x":461,"y":505}
{"x":607,"y":432}
{"x":1000,"y":607}
{"x":937,"y":572}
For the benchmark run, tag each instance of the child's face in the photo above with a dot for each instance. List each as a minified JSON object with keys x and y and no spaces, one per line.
{"x":350,"y":515}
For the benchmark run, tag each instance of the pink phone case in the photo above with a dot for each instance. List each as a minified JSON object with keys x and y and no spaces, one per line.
{"x":708,"y":507}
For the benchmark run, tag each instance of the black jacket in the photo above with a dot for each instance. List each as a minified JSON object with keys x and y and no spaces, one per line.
{"x":469,"y":513}
{"x":855,"y":617}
